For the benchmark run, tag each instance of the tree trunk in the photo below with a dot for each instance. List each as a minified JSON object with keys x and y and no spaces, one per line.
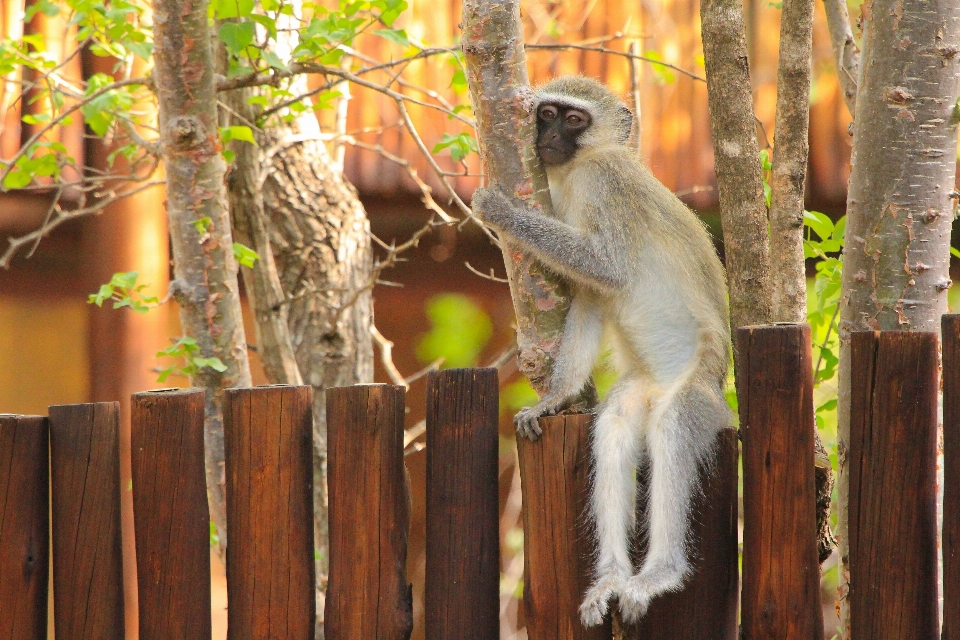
{"x":901,"y":196}
{"x":507,"y":130}
{"x":790,"y":162}
{"x":205,"y":272}
{"x":845,"y":53}
{"x":743,"y":212}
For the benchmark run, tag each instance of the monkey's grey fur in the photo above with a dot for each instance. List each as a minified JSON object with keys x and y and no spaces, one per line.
{"x":644,"y":271}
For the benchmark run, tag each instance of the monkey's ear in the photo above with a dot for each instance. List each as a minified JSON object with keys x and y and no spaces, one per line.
{"x":626,"y":123}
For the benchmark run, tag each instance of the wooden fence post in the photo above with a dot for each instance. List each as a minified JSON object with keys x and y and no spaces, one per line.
{"x":24,"y":527}
{"x":171,"y":518}
{"x":893,"y":507}
{"x":368,"y":595}
{"x":462,"y":590}
{"x":706,"y":608}
{"x":781,"y":569}
{"x":950,"y":331}
{"x":557,"y":541}
{"x":268,"y":441}
{"x":85,"y":495}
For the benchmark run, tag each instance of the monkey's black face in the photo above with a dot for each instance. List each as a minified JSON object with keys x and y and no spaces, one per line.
{"x":559,"y":128}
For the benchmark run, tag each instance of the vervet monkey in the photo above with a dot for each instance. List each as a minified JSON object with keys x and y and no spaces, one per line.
{"x":643,"y":269}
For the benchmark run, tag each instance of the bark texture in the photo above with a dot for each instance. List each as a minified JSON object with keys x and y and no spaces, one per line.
{"x":262,"y":282}
{"x":507,"y":129}
{"x":846,"y":55}
{"x":205,"y":272}
{"x":901,"y":199}
{"x":743,"y":212}
{"x":791,"y":149}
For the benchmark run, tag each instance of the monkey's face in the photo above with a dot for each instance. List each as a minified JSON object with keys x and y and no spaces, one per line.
{"x":559,"y":128}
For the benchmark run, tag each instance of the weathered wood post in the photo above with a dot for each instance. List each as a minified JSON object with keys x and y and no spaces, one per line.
{"x":368,"y":595}
{"x":781,"y":569}
{"x":268,"y":438}
{"x":950,"y":332}
{"x":462,"y":591}
{"x":85,"y":496}
{"x":557,"y":542}
{"x":893,"y":494}
{"x":24,"y":526}
{"x":171,"y":517}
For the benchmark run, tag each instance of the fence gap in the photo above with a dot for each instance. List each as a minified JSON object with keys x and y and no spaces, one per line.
{"x":171,"y":518}
{"x":85,"y":496}
{"x":781,"y":569}
{"x":463,"y":553}
{"x":268,"y":441}
{"x":557,"y":542}
{"x":893,"y":508}
{"x":368,"y":595}
{"x":706,"y":607}
{"x":950,"y":331}
{"x":24,"y":526}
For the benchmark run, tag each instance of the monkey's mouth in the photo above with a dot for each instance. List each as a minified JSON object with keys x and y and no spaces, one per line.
{"x":552,"y":156}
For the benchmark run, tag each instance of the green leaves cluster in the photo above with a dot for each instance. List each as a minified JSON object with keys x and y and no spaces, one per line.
{"x":124,"y":291}
{"x":459,"y":331}
{"x":460,"y":145}
{"x":188,"y":350}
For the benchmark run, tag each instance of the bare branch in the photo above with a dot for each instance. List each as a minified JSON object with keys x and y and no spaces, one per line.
{"x":846,"y":55}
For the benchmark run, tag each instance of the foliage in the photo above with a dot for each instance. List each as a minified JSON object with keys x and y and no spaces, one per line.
{"x":187,"y":349}
{"x":124,"y":291}
{"x":459,"y":331}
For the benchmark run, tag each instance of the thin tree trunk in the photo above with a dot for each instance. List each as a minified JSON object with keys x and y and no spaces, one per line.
{"x":845,"y":53}
{"x":507,"y":129}
{"x":790,"y":162}
{"x":743,"y":212}
{"x":205,"y":272}
{"x":900,"y":201}
{"x":262,"y":282}
{"x":791,"y":149}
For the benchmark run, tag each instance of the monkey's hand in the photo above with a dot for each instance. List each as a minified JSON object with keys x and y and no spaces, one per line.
{"x":527,"y":420}
{"x":492,"y":206}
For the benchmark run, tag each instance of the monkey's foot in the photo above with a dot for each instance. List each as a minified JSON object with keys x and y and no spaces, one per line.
{"x":643,"y":587}
{"x":527,"y":423}
{"x":596,"y":601}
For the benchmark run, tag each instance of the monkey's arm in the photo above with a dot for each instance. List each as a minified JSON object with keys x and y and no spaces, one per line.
{"x":591,"y":259}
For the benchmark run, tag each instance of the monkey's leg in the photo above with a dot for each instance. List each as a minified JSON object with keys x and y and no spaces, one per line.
{"x":677,"y":444}
{"x":579,"y":346}
{"x":617,"y":446}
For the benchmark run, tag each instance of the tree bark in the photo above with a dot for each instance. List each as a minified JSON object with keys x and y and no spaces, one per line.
{"x":743,"y":212}
{"x":264,"y":291}
{"x":507,"y":129}
{"x":845,"y":53}
{"x":791,"y":149}
{"x":205,"y":272}
{"x":901,"y":197}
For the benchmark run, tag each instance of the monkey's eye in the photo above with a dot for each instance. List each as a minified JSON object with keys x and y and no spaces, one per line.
{"x":576,"y":119}
{"x":548,"y":112}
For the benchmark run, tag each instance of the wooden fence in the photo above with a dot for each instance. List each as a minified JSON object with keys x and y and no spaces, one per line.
{"x":59,"y":491}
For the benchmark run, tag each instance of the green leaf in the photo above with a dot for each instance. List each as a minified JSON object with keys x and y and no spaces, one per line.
{"x":274,"y":60}
{"x":237,"y":132}
{"x":202,"y":225}
{"x":17,"y":179}
{"x":224,"y":9}
{"x":954,"y":252}
{"x":236,"y":36}
{"x":819,"y":222}
{"x":213,"y":363}
{"x":396,"y":36}
{"x":245,"y":255}
{"x":460,"y":145}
